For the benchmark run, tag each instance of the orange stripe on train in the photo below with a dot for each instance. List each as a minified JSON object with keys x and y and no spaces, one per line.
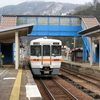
{"x":45,"y":59}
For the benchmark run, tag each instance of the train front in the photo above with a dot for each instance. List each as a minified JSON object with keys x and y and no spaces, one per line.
{"x":45,"y":57}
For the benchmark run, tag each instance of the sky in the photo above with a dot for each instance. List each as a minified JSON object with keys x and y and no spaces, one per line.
{"x":15,"y":2}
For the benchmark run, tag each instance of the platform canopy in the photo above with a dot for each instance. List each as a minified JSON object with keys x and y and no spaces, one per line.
{"x":7,"y":35}
{"x":12,"y":35}
{"x":93,"y":32}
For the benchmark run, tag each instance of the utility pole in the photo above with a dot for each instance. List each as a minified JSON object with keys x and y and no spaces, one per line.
{"x":74,"y":42}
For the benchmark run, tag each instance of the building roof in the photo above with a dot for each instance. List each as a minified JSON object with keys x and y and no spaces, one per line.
{"x":7,"y":35}
{"x":89,"y":21}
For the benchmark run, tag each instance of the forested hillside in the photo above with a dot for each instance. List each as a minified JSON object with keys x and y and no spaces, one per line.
{"x":90,"y":11}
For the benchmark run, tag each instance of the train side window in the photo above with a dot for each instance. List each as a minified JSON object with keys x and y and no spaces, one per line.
{"x":46,"y":50}
{"x":56,"y":50}
{"x":35,"y":50}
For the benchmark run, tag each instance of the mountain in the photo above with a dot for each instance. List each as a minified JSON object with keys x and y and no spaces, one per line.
{"x":38,"y":8}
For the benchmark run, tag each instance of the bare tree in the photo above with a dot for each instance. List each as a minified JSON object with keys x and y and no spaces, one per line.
{"x":85,"y":6}
{"x":95,"y":3}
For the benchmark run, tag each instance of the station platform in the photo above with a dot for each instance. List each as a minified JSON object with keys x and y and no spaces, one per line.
{"x":18,"y":84}
{"x":83,"y":68}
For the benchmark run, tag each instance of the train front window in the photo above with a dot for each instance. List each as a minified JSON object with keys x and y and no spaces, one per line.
{"x":35,"y":50}
{"x":46,"y":50}
{"x":56,"y":50}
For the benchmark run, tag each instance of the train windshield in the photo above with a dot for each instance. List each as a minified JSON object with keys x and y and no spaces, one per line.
{"x":46,"y":50}
{"x":56,"y":50}
{"x":36,"y":50}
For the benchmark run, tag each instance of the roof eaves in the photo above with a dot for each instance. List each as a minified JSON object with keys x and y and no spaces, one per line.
{"x":94,"y":28}
{"x":16,"y":27}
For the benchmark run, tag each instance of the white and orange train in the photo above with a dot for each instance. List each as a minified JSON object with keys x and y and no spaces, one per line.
{"x":45,"y":57}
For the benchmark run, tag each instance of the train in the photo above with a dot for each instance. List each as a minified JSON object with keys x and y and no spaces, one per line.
{"x":45,"y":57}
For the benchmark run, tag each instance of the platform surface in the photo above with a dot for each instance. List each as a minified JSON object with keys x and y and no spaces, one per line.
{"x":18,"y":85}
{"x":82,"y":64}
{"x":83,"y":68}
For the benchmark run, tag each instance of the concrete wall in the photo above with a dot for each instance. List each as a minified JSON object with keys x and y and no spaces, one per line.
{"x":82,"y":69}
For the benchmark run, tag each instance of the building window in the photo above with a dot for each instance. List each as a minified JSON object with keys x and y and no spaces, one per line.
{"x":76,"y":21}
{"x":31,"y":20}
{"x":64,"y":21}
{"x":79,"y":54}
{"x":21,"y":20}
{"x":53,"y":21}
{"x":42,"y":20}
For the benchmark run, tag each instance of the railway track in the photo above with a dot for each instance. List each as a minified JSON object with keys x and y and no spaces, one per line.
{"x":85,"y":77}
{"x":89,"y":80}
{"x":56,"y":91}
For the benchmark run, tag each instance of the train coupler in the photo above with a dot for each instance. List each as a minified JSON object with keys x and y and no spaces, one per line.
{"x":46,"y":70}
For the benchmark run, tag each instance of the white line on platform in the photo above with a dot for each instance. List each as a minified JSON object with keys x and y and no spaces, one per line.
{"x":32,"y":91}
{"x":8,"y":78}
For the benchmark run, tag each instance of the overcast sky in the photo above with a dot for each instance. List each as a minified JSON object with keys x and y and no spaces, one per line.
{"x":15,"y":2}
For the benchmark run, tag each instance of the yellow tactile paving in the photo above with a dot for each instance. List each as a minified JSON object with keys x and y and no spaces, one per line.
{"x":16,"y":88}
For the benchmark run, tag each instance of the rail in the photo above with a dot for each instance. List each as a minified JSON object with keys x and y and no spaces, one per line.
{"x":48,"y":92}
{"x":65,"y":90}
{"x":60,"y":87}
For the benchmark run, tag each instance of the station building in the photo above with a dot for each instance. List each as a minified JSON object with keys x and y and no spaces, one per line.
{"x":49,"y":25}
{"x":94,"y":35}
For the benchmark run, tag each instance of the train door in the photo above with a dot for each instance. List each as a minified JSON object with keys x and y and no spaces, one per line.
{"x":46,"y":58}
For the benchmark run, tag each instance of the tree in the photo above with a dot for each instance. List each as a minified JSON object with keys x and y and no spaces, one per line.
{"x":90,"y":11}
{"x":68,"y":41}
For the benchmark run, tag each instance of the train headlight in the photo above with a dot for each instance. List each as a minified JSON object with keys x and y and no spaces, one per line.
{"x":34,"y":59}
{"x":56,"y":59}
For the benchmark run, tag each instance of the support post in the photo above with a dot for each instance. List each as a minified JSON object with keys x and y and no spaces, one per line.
{"x":16,"y":50}
{"x":91,"y":47}
{"x":99,"y":51}
{"x":84,"y":53}
{"x":74,"y":42}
